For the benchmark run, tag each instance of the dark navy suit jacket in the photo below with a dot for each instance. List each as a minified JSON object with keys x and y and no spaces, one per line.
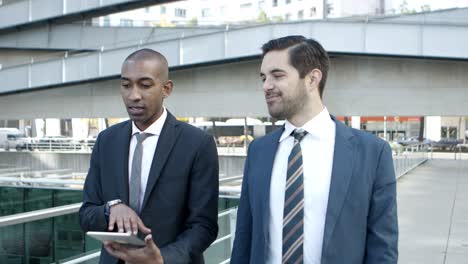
{"x":180,"y":205}
{"x":361,"y":220}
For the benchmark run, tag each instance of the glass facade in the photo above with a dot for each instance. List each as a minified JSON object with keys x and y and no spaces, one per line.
{"x":59,"y":238}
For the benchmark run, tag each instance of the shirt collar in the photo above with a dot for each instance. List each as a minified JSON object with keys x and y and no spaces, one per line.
{"x":319,"y":126}
{"x":155,"y":128}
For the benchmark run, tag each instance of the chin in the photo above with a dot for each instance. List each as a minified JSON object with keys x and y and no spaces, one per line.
{"x":276,"y":115}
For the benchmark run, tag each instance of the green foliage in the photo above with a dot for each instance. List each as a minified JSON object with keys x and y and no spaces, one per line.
{"x":262,"y":17}
{"x":193,"y":22}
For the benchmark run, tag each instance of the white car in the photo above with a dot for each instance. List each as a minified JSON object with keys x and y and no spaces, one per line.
{"x":12,"y":139}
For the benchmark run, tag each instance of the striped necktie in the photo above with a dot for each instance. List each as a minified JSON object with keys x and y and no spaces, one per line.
{"x":293,"y":215}
{"x":135,"y":179}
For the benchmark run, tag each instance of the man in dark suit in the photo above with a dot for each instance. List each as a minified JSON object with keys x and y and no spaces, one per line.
{"x":315,"y":190}
{"x":152,"y":175}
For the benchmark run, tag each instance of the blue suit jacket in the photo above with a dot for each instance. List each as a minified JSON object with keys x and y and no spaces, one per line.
{"x":361,"y":220}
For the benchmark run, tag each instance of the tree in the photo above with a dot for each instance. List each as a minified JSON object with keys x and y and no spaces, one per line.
{"x":278,"y":19}
{"x":193,"y":22}
{"x":404,"y":7}
{"x":262,"y":17}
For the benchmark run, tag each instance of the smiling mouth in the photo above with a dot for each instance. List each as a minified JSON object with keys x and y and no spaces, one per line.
{"x":270,"y":98}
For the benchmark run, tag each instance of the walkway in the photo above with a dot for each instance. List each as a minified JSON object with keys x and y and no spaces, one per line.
{"x":433,"y":213}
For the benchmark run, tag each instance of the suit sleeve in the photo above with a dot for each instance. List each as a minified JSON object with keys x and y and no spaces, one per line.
{"x":201,"y":226}
{"x":382,"y":226}
{"x":91,"y":213}
{"x":243,"y":238}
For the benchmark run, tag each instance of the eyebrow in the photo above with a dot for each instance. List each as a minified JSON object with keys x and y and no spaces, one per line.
{"x":275,"y":70}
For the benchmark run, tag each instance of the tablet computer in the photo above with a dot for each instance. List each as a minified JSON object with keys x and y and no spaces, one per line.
{"x":122,"y":238}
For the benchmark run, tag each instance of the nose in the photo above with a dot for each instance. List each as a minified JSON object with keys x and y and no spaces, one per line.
{"x":134,"y":94}
{"x":267,"y":85}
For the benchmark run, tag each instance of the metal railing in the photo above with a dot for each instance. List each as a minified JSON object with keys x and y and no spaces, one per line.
{"x":73,"y":208}
{"x":409,"y":157}
{"x":38,"y":214}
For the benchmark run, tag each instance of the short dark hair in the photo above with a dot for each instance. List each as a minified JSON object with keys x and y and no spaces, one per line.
{"x":146,"y":54}
{"x":304,"y":55}
{"x":149,"y":54}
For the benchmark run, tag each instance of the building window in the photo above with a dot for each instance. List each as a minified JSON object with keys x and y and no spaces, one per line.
{"x":106,"y":22}
{"x":222,"y":10}
{"x":275,"y":3}
{"x":205,"y":12}
{"x":448,"y":132}
{"x":162,"y":10}
{"x":300,"y":14}
{"x":126,"y":22}
{"x":261,"y":4}
{"x":180,"y":12}
{"x":287,"y":17}
{"x":330,"y":8}
{"x":288,"y":2}
{"x":246,"y":5}
{"x":147,"y":10}
{"x":313,"y":11}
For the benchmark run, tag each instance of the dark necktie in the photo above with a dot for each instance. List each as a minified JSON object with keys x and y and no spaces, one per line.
{"x":293,"y":215}
{"x":135,"y":180}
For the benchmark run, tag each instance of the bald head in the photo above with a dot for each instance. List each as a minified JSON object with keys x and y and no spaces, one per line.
{"x":150,"y":56}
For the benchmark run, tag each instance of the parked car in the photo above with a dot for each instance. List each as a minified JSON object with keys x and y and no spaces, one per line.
{"x":12,"y":138}
{"x":446,"y":144}
{"x":413,"y":140}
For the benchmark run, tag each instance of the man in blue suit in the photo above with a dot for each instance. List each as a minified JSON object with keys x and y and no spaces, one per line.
{"x":152,"y":175}
{"x":315,"y":190}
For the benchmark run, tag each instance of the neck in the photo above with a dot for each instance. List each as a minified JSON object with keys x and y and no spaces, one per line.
{"x":308,"y":112}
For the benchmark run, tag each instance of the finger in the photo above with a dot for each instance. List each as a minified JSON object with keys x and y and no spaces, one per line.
{"x":143,"y":228}
{"x":134,"y":223}
{"x":149,"y":243}
{"x":111,"y":222}
{"x":120,"y":225}
{"x":128,"y":227}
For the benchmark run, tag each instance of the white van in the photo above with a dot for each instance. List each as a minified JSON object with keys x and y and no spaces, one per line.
{"x":12,"y":138}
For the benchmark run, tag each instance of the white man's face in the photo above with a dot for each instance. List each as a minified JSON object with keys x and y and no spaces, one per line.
{"x":285,"y":91}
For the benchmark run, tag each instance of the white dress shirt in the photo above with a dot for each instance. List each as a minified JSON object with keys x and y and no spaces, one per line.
{"x":149,"y":148}
{"x":317,"y":156}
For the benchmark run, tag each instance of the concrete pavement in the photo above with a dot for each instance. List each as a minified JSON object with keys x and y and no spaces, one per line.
{"x":433,"y":213}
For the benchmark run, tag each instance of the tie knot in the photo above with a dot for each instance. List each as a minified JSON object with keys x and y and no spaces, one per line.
{"x":299,"y":134}
{"x":142,"y":136}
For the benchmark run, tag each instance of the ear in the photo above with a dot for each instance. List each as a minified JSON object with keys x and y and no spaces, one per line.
{"x":167,"y":88}
{"x":313,"y":79}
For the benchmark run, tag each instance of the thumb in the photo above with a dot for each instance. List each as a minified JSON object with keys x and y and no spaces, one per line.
{"x":143,"y":228}
{"x":150,"y":243}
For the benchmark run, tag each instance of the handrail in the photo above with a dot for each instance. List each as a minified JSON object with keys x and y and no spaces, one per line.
{"x":73,"y":208}
{"x":39,"y":214}
{"x":83,"y":258}
{"x":230,"y":178}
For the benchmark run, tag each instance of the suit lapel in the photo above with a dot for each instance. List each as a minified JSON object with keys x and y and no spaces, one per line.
{"x":165,"y":144}
{"x":342,"y":171}
{"x":269,"y":152}
{"x":122,"y":151}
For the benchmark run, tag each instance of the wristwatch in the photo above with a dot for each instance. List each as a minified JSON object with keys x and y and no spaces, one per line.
{"x":109,"y":204}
